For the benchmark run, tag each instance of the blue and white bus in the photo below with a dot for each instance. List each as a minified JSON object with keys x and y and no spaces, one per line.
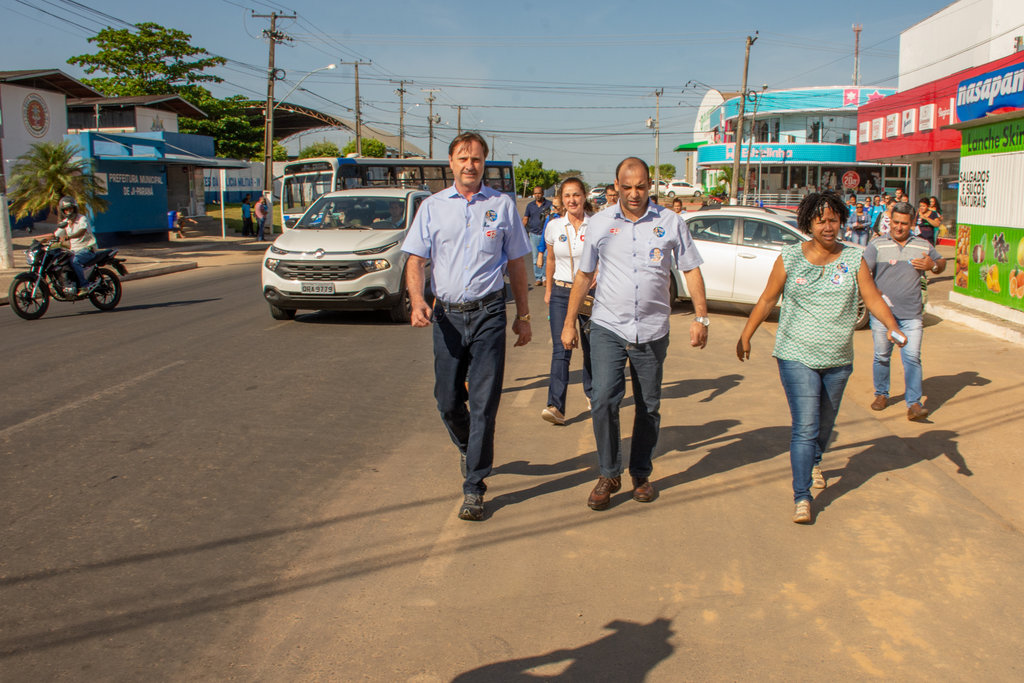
{"x":306,"y":179}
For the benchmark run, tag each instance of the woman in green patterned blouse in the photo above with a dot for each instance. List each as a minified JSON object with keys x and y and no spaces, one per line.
{"x":819,"y":281}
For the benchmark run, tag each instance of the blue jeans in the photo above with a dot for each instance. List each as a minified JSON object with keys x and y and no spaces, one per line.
{"x":913,"y":328}
{"x":262,"y":223}
{"x":814,"y":397}
{"x":608,"y":354}
{"x":560,"y":356}
{"x":860,"y":237}
{"x":77,"y":264}
{"x":535,"y":239}
{"x":470,"y":346}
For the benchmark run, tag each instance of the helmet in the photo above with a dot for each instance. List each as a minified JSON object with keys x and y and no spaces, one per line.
{"x":66,"y":203}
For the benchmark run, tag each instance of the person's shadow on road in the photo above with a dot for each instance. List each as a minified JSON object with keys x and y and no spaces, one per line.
{"x":736,"y":450}
{"x":940,"y":389}
{"x":885,"y":455}
{"x":627,"y":655}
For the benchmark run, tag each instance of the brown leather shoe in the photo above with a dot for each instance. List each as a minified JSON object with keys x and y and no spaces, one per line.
{"x":879,"y":403}
{"x":601,"y":496}
{"x":643,"y":490}
{"x":916,"y":411}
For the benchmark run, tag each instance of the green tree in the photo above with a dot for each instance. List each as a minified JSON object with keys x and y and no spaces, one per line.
{"x":372,"y":147}
{"x":279,"y":153}
{"x":152,"y":60}
{"x":49,"y":171}
{"x":323,"y":149}
{"x":530,"y":173}
{"x":234,"y":133}
{"x":668,"y":171}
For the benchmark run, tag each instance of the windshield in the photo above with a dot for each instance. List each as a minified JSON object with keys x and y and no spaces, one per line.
{"x":354,"y":213}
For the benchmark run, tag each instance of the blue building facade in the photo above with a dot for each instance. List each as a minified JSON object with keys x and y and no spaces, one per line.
{"x":794,"y":141}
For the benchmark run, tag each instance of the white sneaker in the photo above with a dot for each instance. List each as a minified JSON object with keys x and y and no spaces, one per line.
{"x":817,"y":478}
{"x":553,"y":415}
{"x":802,"y":513}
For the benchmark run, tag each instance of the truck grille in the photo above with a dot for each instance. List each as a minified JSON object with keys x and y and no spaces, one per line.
{"x":313,"y":271}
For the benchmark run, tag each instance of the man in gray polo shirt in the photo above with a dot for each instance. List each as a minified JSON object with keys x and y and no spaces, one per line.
{"x":897,"y":262}
{"x":634,"y":243}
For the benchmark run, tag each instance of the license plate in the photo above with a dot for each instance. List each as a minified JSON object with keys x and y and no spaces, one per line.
{"x":318,"y":288}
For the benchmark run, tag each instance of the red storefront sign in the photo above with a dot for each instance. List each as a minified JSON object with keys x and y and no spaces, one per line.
{"x":913,"y":120}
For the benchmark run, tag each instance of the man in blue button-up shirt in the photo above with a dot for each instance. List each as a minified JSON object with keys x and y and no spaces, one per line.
{"x":471,"y":233}
{"x":633,"y":244}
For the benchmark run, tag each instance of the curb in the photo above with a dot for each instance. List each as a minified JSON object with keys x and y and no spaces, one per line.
{"x":976,"y":323}
{"x":141,"y":275}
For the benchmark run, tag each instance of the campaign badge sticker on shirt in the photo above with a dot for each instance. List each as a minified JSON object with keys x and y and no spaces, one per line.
{"x":491,"y":215}
{"x":837,"y":279}
{"x":843,"y":268}
{"x":490,"y":234}
{"x":614,"y":231}
{"x":659,"y":231}
{"x":657,"y":255}
{"x":563,"y":238}
{"x":801,"y":281}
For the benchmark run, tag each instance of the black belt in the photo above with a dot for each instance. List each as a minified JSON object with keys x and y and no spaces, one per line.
{"x":465,"y":306}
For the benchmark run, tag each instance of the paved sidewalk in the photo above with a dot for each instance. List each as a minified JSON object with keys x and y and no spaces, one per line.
{"x":150,"y":259}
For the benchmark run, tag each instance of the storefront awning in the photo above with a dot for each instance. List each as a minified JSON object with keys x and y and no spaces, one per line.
{"x":690,"y":146}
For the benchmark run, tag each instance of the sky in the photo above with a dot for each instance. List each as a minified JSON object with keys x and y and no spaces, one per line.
{"x":569,"y":83}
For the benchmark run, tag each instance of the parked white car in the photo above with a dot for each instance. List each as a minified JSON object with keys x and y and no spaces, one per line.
{"x":343,"y":254}
{"x":681,"y":188}
{"x":739,"y":246}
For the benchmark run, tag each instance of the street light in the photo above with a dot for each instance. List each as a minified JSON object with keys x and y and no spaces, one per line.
{"x":296,"y":86}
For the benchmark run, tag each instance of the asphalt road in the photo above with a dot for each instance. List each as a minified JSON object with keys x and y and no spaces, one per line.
{"x":194,"y":491}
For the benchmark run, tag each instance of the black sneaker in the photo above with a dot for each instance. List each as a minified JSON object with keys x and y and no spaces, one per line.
{"x":472,"y":507}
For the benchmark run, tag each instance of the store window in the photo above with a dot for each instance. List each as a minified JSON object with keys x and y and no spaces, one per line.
{"x":923,"y":180}
{"x":949,"y":188}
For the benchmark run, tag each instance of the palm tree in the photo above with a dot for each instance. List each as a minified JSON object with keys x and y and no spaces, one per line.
{"x":49,"y":171}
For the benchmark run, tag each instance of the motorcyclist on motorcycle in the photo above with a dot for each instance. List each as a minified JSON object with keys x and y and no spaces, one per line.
{"x":76,"y":230}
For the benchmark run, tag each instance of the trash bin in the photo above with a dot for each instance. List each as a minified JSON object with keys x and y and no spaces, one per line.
{"x":171,"y":217}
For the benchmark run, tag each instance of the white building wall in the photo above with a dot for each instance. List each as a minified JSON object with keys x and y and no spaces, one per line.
{"x":30,"y":116}
{"x":155,"y":120}
{"x":961,"y":35}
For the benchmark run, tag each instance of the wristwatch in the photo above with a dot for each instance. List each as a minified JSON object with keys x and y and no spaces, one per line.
{"x":703,"y":320}
{"x":525,"y":318}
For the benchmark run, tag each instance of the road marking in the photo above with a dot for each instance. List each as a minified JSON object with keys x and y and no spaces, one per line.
{"x":111,"y":390}
{"x":523,"y":398}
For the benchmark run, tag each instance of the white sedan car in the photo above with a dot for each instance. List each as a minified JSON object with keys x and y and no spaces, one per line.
{"x":681,"y":188}
{"x":739,"y":246}
{"x":345,"y":253}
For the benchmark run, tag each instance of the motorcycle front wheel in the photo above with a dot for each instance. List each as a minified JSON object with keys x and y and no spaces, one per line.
{"x":107,"y":294}
{"x":23,"y":302}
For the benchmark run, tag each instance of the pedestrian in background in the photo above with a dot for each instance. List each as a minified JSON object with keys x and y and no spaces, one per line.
{"x":634,"y":244}
{"x":927,"y":220}
{"x":897,"y":262}
{"x":821,"y":279}
{"x":471,"y":233}
{"x":246,"y":217}
{"x":564,"y":236}
{"x":262,"y":211}
{"x":611,"y":195}
{"x":533,"y":220}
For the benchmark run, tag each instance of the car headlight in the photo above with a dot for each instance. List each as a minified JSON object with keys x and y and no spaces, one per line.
{"x":271,"y":264}
{"x":377,"y":250}
{"x":30,"y":257}
{"x":274,"y":249}
{"x":376,"y":265}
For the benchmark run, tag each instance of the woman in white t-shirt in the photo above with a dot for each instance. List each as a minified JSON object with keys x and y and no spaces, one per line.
{"x":564,"y":239}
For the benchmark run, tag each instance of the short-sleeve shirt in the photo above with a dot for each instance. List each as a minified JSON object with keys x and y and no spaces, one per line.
{"x":635,"y":258}
{"x":819,"y":309}
{"x":246,"y":210}
{"x":563,"y":239}
{"x":535,"y":216}
{"x":926,"y":229}
{"x":86,"y":241}
{"x":469,"y":242}
{"x":899,"y":282}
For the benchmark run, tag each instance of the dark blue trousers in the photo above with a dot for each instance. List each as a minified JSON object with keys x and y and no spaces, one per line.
{"x":470,"y":347}
{"x":558,"y":385}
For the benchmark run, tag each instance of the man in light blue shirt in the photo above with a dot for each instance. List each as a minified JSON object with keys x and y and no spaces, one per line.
{"x":634,"y":245}
{"x":471,"y":233}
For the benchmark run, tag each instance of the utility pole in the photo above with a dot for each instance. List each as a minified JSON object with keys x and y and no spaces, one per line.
{"x":359,"y":124}
{"x":655,"y":123}
{"x":401,"y":117}
{"x":753,"y":131}
{"x":430,"y":116}
{"x":857,"y":28}
{"x":274,"y":37}
{"x":493,"y":145}
{"x":6,"y":246}
{"x":459,"y":107}
{"x":739,"y":120}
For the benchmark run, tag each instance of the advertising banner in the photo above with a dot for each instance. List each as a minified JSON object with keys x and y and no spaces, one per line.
{"x":990,"y":264}
{"x":988,"y":92}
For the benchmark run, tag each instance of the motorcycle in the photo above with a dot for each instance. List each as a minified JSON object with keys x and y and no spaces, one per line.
{"x":50,"y":274}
